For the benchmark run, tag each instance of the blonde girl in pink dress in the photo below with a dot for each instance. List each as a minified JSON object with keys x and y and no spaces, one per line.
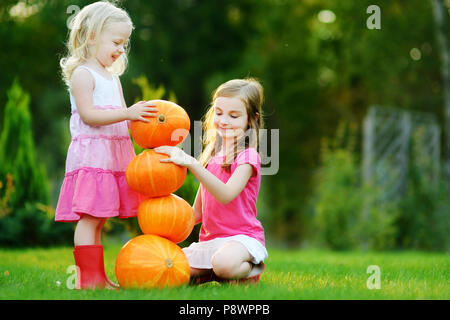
{"x":231,"y":243}
{"x":94,"y":188}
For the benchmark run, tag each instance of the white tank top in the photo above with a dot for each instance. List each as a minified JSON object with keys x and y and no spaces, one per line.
{"x":106,"y":92}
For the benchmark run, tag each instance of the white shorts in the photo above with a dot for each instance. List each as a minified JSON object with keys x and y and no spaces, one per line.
{"x":199,"y":253}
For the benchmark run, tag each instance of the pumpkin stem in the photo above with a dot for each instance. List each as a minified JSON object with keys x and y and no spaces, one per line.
{"x":162,"y":118}
{"x":169,"y":263}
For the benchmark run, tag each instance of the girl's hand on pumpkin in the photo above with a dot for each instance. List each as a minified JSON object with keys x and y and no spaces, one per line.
{"x":176,"y":155}
{"x":142,"y":109}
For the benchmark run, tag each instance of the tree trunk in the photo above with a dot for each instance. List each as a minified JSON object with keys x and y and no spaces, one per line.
{"x":440,"y":17}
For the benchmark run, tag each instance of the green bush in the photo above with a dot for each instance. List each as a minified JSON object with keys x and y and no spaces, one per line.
{"x":338,"y":201}
{"x":377,"y":226}
{"x":32,"y":225}
{"x":423,"y":222}
{"x":345,"y":212}
{"x":348,"y":214}
{"x":25,"y":218}
{"x":17,"y":152}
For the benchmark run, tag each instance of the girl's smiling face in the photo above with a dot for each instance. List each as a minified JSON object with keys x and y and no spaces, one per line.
{"x":230,"y":117}
{"x":112,"y":43}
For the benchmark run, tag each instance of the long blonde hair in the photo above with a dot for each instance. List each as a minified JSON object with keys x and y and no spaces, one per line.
{"x":91,"y":21}
{"x":251,"y":93}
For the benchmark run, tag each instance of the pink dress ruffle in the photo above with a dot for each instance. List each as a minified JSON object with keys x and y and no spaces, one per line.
{"x":97,"y":192}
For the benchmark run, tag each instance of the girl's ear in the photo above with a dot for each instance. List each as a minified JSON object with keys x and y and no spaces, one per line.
{"x":257,"y":120}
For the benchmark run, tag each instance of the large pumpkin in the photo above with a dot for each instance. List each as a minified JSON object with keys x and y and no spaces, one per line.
{"x":170,"y":217}
{"x":170,"y":126}
{"x":148,"y":176}
{"x":149,"y":261}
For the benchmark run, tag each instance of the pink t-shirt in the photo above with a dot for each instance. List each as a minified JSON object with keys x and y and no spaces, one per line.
{"x":239,"y":215}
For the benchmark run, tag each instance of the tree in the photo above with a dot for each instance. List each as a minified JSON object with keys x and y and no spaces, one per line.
{"x":27,"y":219}
{"x":440,"y":17}
{"x":17,"y":151}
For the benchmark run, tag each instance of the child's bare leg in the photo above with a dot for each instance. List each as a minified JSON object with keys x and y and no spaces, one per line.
{"x":86,"y":229}
{"x":98,"y":232}
{"x":232,"y":261}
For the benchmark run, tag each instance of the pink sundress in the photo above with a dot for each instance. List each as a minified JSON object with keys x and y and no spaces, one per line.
{"x":97,"y":158}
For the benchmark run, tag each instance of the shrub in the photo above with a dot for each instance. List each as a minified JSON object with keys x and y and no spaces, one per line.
{"x":423,"y":221}
{"x":346,"y":214}
{"x":338,"y":201}
{"x":24,"y":191}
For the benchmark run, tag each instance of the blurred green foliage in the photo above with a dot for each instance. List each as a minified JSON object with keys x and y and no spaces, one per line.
{"x":423,"y":222}
{"x":18,"y":153}
{"x":338,"y":201}
{"x":26,"y":219}
{"x":347,"y":213}
{"x":316,"y":73}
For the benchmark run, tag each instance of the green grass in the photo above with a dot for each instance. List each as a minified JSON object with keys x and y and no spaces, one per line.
{"x":289,"y":275}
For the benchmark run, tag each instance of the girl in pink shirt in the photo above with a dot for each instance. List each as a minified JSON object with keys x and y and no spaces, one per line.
{"x":231,"y":242}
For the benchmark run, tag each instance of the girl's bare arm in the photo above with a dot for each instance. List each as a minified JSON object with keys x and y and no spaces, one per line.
{"x":222,"y":192}
{"x":198,"y":206}
{"x":82,"y":87}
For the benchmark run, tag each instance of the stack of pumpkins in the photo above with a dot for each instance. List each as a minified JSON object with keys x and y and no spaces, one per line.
{"x":153,"y":260}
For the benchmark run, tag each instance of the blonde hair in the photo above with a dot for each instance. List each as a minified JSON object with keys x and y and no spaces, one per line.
{"x":251,"y":93}
{"x":91,"y":21}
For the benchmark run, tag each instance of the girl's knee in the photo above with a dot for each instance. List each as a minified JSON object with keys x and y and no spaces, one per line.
{"x":223,"y":269}
{"x":225,"y":265}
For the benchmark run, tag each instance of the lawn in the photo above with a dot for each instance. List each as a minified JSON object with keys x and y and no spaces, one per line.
{"x":290,"y":275}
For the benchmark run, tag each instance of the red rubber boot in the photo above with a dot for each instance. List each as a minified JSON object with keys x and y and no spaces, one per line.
{"x":109,"y":284}
{"x":91,"y":269}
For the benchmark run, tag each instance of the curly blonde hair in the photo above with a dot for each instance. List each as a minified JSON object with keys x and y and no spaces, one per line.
{"x":89,"y":24}
{"x":251,"y":92}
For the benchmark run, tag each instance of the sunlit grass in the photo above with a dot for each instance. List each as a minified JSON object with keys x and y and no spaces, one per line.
{"x":289,"y":275}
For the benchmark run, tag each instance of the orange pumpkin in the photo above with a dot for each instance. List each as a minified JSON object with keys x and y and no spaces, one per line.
{"x":150,"y":261}
{"x":170,"y":217}
{"x":170,"y":126}
{"x":148,"y":176}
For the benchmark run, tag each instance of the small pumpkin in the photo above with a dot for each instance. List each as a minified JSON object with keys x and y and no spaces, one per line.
{"x":170,"y":217}
{"x":150,"y":261}
{"x":170,"y":126}
{"x":150,"y":177}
